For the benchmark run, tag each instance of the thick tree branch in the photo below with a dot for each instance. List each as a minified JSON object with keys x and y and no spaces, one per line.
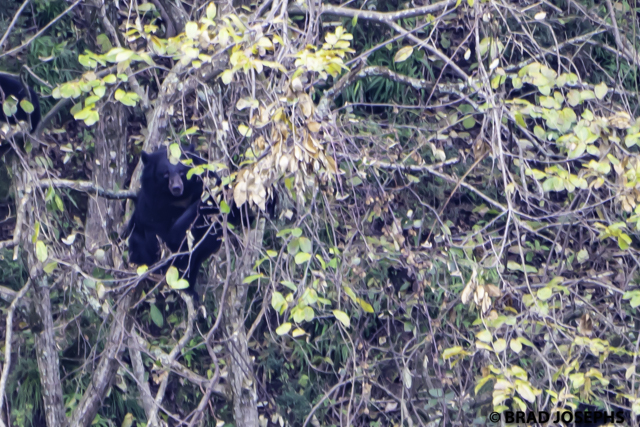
{"x":88,"y":187}
{"x":104,"y":373}
{"x":372,"y":15}
{"x":138,"y":371}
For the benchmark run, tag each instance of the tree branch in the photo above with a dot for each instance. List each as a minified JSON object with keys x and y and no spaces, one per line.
{"x":191,"y":318}
{"x":104,"y":373}
{"x":7,"y":341}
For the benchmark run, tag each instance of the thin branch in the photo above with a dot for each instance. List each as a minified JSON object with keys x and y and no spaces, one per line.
{"x":39,"y":33}
{"x":7,"y":341}
{"x":375,"y":70}
{"x":17,"y":232}
{"x":9,"y":28}
{"x":389,"y":20}
{"x":326,"y":396}
{"x":191,"y":318}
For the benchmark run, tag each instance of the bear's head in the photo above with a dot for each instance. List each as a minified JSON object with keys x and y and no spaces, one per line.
{"x":161,"y":177}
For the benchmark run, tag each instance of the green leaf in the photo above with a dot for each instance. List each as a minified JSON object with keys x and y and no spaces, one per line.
{"x":289,"y":284}
{"x":499,"y":345}
{"x":41,"y":251}
{"x":278,"y":302}
{"x":156,"y":316}
{"x":50,"y":267}
{"x":130,"y":99}
{"x":26,"y":106}
{"x":469,"y":122}
{"x":586,"y":95}
{"x":573,"y":98}
{"x":9,"y":106}
{"x":173,"y":279}
{"x":601,"y":90}
{"x":342,"y":317}
{"x":516,"y":346}
{"x":146,"y":7}
{"x":302,"y":257}
{"x":309,"y":314}
{"x":484,"y":336}
{"x":298,"y":314}
{"x":252,"y":278}
{"x":514,"y":266}
{"x":224,"y":207}
{"x":109,"y":79}
{"x":545,"y":293}
{"x":293,"y":247}
{"x":516,"y":82}
{"x":305,"y":244}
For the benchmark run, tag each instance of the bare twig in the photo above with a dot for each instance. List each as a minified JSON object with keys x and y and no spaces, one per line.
{"x":7,"y":341}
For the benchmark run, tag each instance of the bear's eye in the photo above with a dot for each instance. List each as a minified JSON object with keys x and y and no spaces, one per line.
{"x":166,"y":175}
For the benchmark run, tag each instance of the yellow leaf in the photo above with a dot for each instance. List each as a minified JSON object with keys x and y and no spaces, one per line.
{"x":342,"y":317}
{"x":403,"y":54}
{"x":226,"y":76}
{"x":525,"y":391}
{"x":365,"y":306}
{"x":298,"y":332}
{"x":283,"y":329}
{"x":540,"y":16}
{"x":450,"y":352}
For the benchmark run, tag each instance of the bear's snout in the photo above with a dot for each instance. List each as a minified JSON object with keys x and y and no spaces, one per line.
{"x":175,"y":185}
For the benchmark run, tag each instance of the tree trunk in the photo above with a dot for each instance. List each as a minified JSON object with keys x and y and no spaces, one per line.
{"x":44,"y":335}
{"x":241,"y":374}
{"x":103,"y":218}
{"x":109,"y":172}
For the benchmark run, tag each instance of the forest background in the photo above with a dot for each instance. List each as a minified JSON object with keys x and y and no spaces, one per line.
{"x":457,"y":229}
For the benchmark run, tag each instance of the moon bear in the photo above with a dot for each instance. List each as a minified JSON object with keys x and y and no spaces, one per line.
{"x":169,"y":205}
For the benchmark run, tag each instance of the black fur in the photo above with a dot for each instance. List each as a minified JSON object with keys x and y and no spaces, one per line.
{"x":168,"y":205}
{"x":12,"y":85}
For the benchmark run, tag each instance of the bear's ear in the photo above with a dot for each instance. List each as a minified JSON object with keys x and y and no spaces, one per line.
{"x":145,"y":157}
{"x":191,"y":149}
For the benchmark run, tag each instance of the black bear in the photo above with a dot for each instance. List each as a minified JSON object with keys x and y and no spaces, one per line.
{"x":12,"y":85}
{"x":167,"y":206}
